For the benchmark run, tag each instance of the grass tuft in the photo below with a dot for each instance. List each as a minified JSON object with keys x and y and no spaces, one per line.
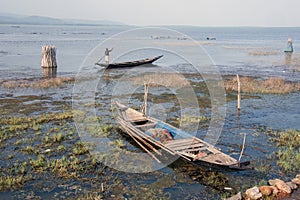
{"x":288,"y":154}
{"x":262,"y":53}
{"x":269,"y":86}
{"x":37,"y":84}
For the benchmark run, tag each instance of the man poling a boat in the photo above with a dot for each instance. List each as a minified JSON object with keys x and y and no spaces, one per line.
{"x":106,"y":54}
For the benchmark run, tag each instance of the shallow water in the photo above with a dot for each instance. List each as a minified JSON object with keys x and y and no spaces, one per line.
{"x":20,"y":56}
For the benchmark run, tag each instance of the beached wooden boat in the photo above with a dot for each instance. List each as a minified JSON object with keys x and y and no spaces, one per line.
{"x":152,"y":134}
{"x":130,"y":63}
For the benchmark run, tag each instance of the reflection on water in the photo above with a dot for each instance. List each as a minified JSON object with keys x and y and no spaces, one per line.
{"x":50,"y":72}
{"x":288,"y":58}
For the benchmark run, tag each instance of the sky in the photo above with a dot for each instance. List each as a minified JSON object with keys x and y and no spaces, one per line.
{"x":165,"y":12}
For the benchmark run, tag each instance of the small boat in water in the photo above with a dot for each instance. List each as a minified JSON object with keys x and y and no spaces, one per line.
{"x":130,"y":63}
{"x":152,"y":134}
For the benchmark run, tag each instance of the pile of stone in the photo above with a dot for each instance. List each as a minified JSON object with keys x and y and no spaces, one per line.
{"x":277,"y":189}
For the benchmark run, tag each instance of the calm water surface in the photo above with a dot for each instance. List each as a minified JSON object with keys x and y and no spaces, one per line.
{"x":20,"y":57}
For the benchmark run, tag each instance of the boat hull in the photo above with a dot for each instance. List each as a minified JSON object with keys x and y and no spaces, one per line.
{"x":183,"y":145}
{"x":130,"y":63}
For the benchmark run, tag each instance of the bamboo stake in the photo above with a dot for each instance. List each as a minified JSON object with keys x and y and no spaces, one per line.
{"x":239,"y":92}
{"x":145,"y":98}
{"x":49,"y":57}
{"x":243,"y":147}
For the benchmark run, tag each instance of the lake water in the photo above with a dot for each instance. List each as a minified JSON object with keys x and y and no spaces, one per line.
{"x":20,"y":51}
{"x":231,"y":53}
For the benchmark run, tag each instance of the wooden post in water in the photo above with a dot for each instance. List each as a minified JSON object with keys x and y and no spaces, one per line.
{"x":49,"y":57}
{"x":146,"y":88}
{"x":239,"y":93}
{"x":243,"y":147}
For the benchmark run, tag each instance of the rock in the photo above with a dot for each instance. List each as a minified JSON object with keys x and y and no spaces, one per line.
{"x":253,"y":193}
{"x":292,"y":185}
{"x":281,"y":185}
{"x":275,"y":190}
{"x":271,"y":182}
{"x":282,"y":195}
{"x":296,"y":180}
{"x":266,"y":190}
{"x":238,"y":196}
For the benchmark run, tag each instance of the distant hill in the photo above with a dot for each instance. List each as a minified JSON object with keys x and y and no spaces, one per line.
{"x":8,"y":18}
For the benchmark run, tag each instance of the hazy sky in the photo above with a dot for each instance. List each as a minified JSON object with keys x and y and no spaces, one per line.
{"x":161,"y":12}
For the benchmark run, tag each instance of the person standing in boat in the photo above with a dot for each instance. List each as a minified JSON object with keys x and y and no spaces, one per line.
{"x":107,"y":51}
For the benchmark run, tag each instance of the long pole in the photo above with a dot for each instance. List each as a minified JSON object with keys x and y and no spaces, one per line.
{"x":100,"y":59}
{"x":142,"y":146}
{"x":138,"y":137}
{"x":145,"y":98}
{"x":239,"y":92}
{"x":243,"y":147}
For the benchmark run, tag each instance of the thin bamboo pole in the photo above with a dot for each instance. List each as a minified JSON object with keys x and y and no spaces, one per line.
{"x":239,"y":92}
{"x":243,"y":147}
{"x":142,"y":146}
{"x":151,"y":154}
{"x":146,"y":88}
{"x":138,"y":137}
{"x":148,"y":138}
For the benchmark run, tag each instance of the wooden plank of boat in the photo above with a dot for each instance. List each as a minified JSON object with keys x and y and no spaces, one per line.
{"x":190,"y":148}
{"x":180,"y":141}
{"x":130,"y":63}
{"x":185,"y":147}
{"x":183,"y":142}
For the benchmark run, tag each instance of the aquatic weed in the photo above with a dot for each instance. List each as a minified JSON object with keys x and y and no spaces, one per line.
{"x":12,"y":126}
{"x":80,"y":148}
{"x":118,"y":143}
{"x":271,"y":85}
{"x":288,"y":154}
{"x":263,"y":52}
{"x":37,"y":83}
{"x":8,"y":182}
{"x":38,"y":163}
{"x":61,"y":148}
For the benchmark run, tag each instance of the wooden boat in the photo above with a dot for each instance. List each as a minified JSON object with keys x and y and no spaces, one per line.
{"x":143,"y":130}
{"x":130,"y":63}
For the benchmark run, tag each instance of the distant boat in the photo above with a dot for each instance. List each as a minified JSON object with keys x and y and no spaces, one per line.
{"x":130,"y":63}
{"x":152,"y":134}
{"x":211,"y":38}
